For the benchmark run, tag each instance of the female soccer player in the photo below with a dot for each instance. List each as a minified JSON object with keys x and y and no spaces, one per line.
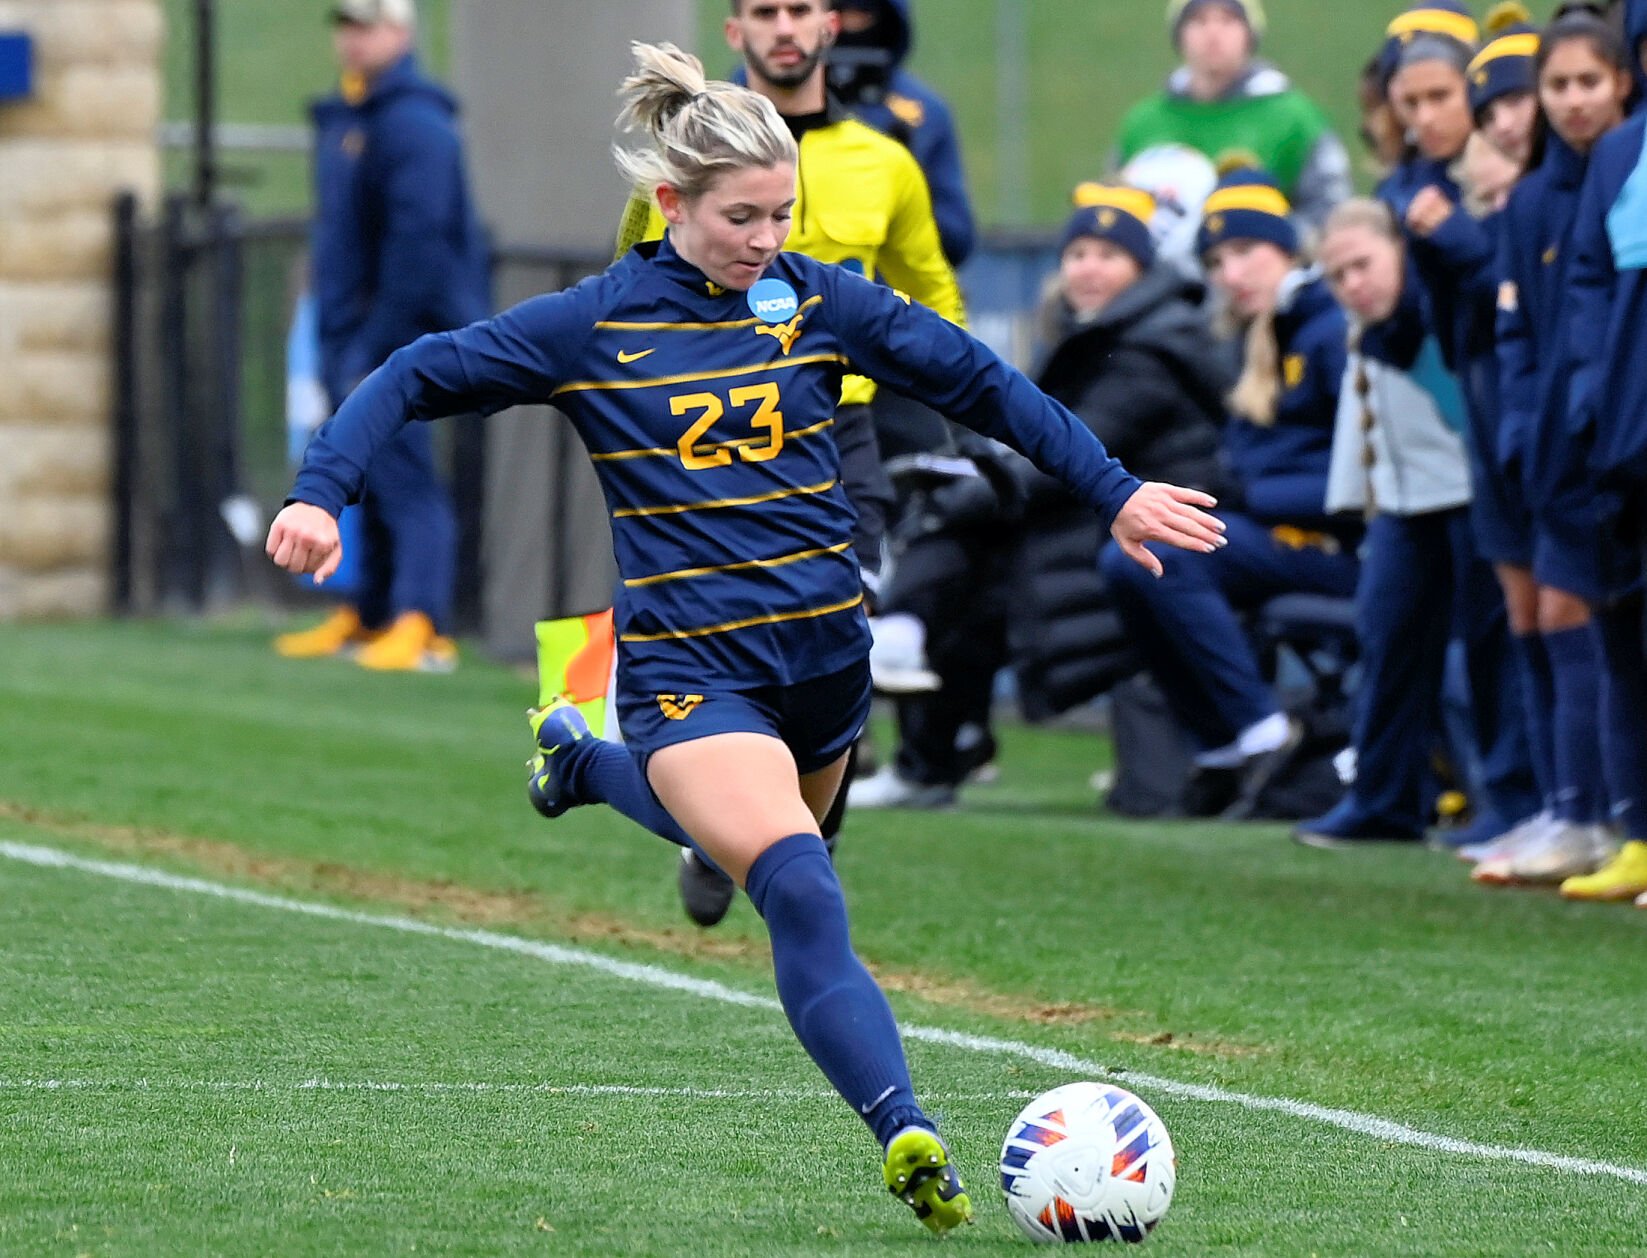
{"x":1398,"y":458}
{"x":1452,"y":253}
{"x":702,"y":373}
{"x":1581,"y":573}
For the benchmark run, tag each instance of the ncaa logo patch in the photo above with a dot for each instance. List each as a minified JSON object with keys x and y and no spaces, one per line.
{"x":773,"y":301}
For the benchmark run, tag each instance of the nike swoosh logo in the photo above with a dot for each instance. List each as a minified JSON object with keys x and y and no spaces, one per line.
{"x":624,"y":356}
{"x":872,"y":1104}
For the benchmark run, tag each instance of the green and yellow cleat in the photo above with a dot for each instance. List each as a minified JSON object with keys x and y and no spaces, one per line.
{"x":918,"y":1173}
{"x":555,"y":726}
{"x":1622,"y":878}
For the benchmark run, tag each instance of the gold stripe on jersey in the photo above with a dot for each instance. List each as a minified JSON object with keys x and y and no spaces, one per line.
{"x":674,"y":451}
{"x":611,"y":325}
{"x":775,"y":618}
{"x":677,"y":508}
{"x":779,"y":561}
{"x":692,"y":377}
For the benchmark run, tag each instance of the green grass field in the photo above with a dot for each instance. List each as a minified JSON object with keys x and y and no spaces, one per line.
{"x":386,"y":1009}
{"x":1089,"y":60}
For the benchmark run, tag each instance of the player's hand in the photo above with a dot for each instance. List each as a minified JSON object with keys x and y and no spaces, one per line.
{"x":1166,"y":513}
{"x":1430,"y":209}
{"x":303,"y":538}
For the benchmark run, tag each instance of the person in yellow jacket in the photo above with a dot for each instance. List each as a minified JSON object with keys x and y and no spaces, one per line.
{"x":861,"y":202}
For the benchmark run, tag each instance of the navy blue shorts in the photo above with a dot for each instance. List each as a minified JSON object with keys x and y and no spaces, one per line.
{"x":818,"y":720}
{"x":1500,"y":516}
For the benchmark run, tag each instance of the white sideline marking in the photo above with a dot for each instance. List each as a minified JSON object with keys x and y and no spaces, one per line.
{"x":430,"y":1087}
{"x":654,"y":976}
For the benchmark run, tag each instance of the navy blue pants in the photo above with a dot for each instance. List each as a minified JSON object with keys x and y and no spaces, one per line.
{"x":409,"y":554}
{"x":1421,"y":582}
{"x":1187,"y":623}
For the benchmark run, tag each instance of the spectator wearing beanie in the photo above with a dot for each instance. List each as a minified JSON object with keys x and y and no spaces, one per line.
{"x":1224,"y":100}
{"x":1583,"y":586}
{"x":1131,"y":354}
{"x":1280,"y":539}
{"x":1398,"y":460}
{"x":1453,"y":256}
{"x":1504,"y":88}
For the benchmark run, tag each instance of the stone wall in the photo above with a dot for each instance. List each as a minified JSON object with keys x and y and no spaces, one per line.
{"x":87,"y":133}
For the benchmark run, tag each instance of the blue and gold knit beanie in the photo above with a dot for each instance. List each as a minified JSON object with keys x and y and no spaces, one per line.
{"x":1440,"y":28}
{"x":1117,"y":214}
{"x":1507,"y":64}
{"x":1246,"y":205}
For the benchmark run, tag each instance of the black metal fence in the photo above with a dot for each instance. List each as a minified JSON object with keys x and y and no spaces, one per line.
{"x":204,"y":305}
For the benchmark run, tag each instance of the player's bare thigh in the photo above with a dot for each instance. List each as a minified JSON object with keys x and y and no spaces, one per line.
{"x":738,"y":794}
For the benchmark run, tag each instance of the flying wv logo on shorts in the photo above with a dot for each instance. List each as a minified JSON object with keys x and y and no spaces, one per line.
{"x":679,"y":707}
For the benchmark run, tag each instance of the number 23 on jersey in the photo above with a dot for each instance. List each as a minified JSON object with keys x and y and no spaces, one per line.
{"x":709,"y":409}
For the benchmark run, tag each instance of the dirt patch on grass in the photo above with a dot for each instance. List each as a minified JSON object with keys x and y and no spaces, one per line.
{"x":529,"y":912}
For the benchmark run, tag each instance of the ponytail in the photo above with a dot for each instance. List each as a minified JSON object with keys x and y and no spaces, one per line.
{"x":699,"y":129}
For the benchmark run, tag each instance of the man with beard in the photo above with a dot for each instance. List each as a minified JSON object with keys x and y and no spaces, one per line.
{"x":862,"y":203}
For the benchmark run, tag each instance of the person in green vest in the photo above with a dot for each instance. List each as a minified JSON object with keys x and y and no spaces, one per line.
{"x":1225,"y":100}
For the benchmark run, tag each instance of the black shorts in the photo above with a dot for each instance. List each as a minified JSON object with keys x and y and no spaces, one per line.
{"x":818,"y":720}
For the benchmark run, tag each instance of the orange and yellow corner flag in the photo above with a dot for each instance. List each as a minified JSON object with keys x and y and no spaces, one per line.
{"x":576,"y":655}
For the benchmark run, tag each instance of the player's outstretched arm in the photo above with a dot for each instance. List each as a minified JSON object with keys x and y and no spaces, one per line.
{"x":1169,"y":514}
{"x":519,"y":356}
{"x":913,"y":350}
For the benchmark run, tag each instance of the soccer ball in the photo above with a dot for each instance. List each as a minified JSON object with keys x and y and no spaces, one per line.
{"x":1087,"y":1162}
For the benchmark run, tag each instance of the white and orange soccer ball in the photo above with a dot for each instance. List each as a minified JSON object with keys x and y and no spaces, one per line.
{"x":1087,"y":1162}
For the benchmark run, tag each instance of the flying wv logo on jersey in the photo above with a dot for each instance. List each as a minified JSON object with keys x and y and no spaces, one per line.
{"x":786,"y":334}
{"x":778,"y":308}
{"x":678,"y":707}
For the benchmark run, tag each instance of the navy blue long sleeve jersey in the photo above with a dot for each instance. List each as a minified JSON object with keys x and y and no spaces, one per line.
{"x":1606,"y":306}
{"x":1534,"y":261}
{"x":708,"y":422}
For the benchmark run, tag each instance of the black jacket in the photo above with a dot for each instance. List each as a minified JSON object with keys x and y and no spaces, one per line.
{"x":1149,"y":378}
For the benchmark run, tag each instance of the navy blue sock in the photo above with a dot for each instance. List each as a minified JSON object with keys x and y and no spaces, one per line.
{"x":599,"y":772}
{"x":1624,"y":716}
{"x":1532,"y":663}
{"x":838,"y":1013}
{"x":1581,"y":784}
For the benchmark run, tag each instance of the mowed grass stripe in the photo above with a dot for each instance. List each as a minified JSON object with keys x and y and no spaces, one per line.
{"x":1367,"y":1125}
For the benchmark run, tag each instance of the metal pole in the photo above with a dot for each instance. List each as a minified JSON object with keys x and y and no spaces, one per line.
{"x":205,"y":101}
{"x":125,"y":399}
{"x":1012,"y":113}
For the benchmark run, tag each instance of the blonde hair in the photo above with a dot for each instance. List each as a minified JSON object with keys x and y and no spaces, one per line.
{"x":699,"y":129}
{"x":1373,"y":215}
{"x":1366,"y":212}
{"x":1258,"y":392}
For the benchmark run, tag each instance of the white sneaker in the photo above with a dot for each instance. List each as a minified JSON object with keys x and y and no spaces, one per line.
{"x":1508,"y":843}
{"x":897,"y":656}
{"x":887,"y":790}
{"x":1562,"y":851}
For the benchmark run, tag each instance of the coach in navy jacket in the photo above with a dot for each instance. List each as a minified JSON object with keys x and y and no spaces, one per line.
{"x":396,"y":253}
{"x":397,"y":249}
